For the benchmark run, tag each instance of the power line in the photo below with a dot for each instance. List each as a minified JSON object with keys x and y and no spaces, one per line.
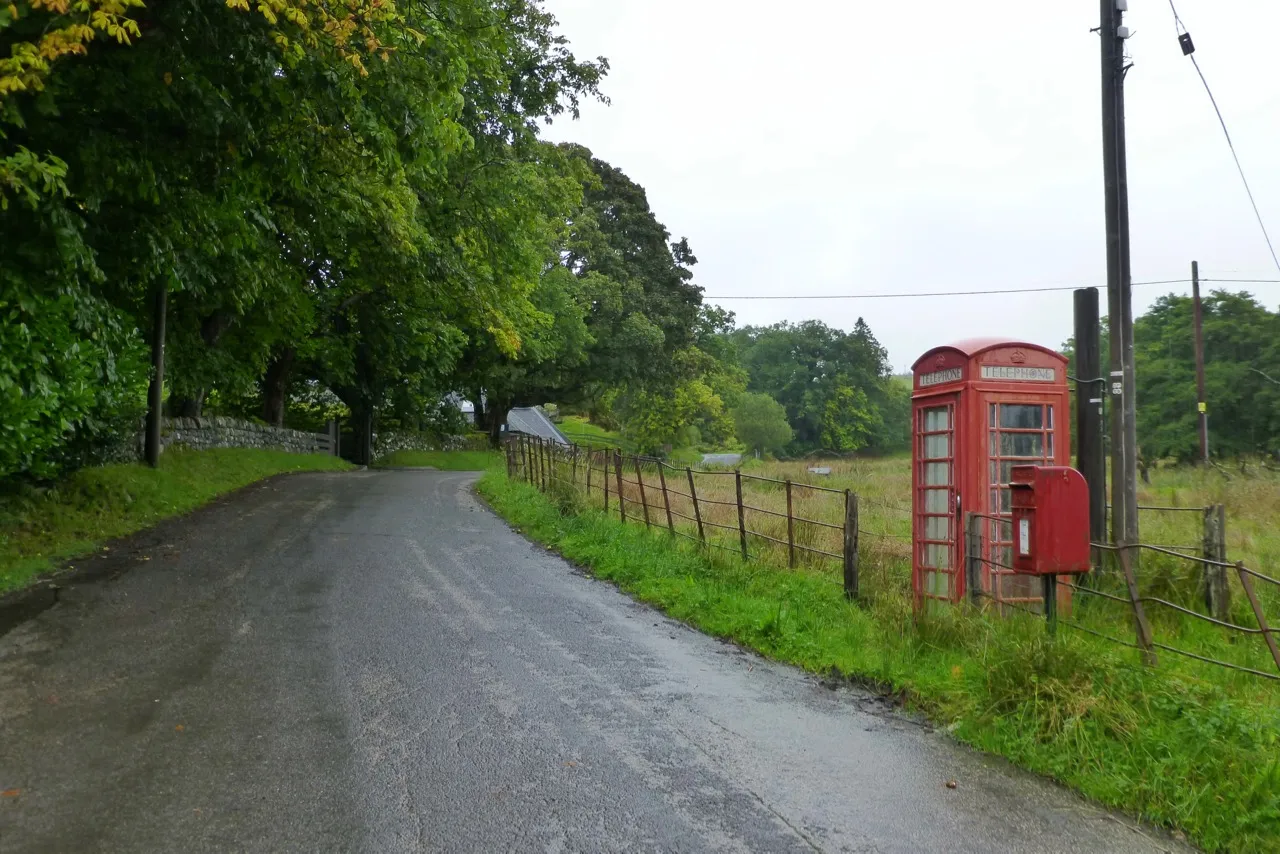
{"x":978,"y":293}
{"x":1188,"y":49}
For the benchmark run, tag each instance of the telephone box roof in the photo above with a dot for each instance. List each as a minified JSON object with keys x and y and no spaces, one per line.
{"x":971,"y":347}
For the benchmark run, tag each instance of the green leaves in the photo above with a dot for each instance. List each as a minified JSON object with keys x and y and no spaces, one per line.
{"x":350,"y":223}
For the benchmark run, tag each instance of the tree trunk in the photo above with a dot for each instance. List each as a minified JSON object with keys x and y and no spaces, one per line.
{"x":155,"y":394}
{"x":497,"y":417}
{"x":275,"y":387}
{"x":478,"y":413}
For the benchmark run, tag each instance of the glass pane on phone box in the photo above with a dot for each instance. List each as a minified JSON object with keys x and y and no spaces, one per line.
{"x":1021,"y":416}
{"x":937,"y":527}
{"x":991,"y":414}
{"x":936,"y":419}
{"x":937,"y":447}
{"x":936,"y":501}
{"x":1022,"y":445}
{"x":937,"y":474}
{"x":1006,"y":501}
{"x":1006,"y":471}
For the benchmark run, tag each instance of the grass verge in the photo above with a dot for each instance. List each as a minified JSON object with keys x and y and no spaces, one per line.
{"x":1178,"y":752}
{"x":40,"y":527}
{"x":442,"y":460}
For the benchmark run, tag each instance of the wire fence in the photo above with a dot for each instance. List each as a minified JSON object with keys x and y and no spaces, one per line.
{"x":787,"y":523}
{"x":1237,"y":636}
{"x":764,"y":519}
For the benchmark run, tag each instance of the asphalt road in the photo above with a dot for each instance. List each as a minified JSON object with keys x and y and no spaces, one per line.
{"x":374,"y":662}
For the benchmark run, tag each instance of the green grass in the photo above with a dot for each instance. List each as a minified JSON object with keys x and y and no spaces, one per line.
{"x":442,"y":460}
{"x":1181,"y":751}
{"x":39,"y":528}
{"x":581,"y":431}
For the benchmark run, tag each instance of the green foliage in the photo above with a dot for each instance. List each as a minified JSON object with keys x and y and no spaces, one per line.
{"x":761,"y":423}
{"x":1187,"y":753}
{"x":340,"y":199}
{"x":71,"y":378}
{"x":835,"y":386}
{"x":687,"y":415}
{"x":39,"y":527}
{"x":1242,"y":377}
{"x":1241,"y":338}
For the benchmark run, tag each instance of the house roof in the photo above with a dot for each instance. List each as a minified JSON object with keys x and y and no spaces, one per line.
{"x":532,"y":421}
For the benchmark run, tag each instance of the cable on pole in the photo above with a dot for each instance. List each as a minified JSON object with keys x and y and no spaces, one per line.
{"x":1036,"y":290}
{"x":1189,"y":50}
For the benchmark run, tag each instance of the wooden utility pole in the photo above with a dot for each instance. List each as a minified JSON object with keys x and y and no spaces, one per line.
{"x":1124,"y":420}
{"x":1201,"y":404}
{"x":1091,"y":386}
{"x":155,"y":394}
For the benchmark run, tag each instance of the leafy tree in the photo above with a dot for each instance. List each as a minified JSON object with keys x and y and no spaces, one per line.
{"x":835,"y":386}
{"x":341,"y":195}
{"x":761,"y":423}
{"x":1242,"y":349}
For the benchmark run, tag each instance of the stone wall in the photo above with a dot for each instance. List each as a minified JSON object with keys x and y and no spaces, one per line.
{"x":216,"y":432}
{"x":389,"y":441}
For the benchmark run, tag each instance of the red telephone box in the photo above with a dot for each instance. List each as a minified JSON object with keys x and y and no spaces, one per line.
{"x":979,"y":408}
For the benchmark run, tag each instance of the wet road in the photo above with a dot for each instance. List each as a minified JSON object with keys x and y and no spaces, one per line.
{"x":374,"y":662}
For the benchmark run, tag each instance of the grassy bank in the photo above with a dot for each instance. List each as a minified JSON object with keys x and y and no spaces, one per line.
{"x":1174,"y":749}
{"x":40,"y":527}
{"x":442,"y":460}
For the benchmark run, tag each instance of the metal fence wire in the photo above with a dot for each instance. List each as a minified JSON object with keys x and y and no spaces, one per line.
{"x":758,"y":518}
{"x":800,"y":524}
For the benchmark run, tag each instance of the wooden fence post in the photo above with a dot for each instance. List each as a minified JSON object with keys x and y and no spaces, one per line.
{"x":622,"y":496}
{"x":589,"y":456}
{"x":851,"y":580}
{"x":644,"y":501}
{"x":742,"y":518}
{"x":697,"y":514}
{"x":791,"y":530}
{"x":511,"y":461}
{"x":604,"y":475}
{"x":1246,"y":581}
{"x":528,"y":460}
{"x":573,"y":473}
{"x":1139,"y":613}
{"x":666,"y":499}
{"x":1217,"y":594}
{"x":973,"y":556}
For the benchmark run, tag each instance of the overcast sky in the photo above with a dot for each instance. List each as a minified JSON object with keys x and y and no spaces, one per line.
{"x":851,"y":147}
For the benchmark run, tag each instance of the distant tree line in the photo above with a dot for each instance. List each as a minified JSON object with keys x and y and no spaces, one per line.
{"x":1242,"y":377}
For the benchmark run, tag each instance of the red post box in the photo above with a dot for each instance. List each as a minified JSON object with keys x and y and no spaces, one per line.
{"x":1050,"y":521}
{"x":980,"y":408}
